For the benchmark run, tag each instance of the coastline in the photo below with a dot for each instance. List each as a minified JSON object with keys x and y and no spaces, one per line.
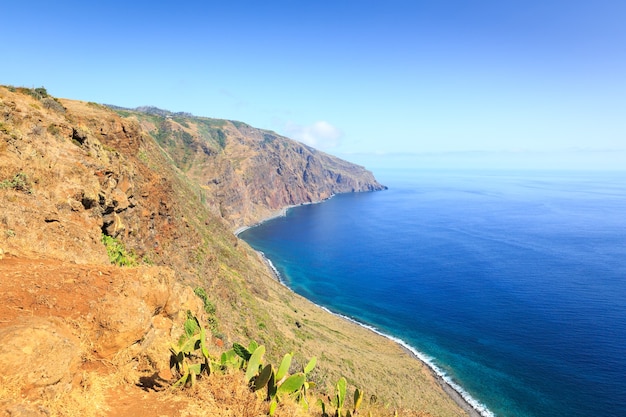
{"x":473,"y":411}
{"x":280,"y":213}
{"x":463,"y":399}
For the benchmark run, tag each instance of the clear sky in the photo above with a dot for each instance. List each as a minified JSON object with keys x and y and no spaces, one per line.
{"x":422,"y":83}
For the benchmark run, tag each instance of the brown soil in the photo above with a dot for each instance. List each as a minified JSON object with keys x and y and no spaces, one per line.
{"x":51,"y":289}
{"x":33,"y":291}
{"x":44,"y":288}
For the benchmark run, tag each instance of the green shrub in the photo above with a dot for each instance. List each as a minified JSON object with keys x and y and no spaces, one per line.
{"x":52,"y":104}
{"x":143,"y":157}
{"x":209,"y":307}
{"x":118,"y":254}
{"x":19,"y":182}
{"x":53,"y":130}
{"x":38,"y":93}
{"x":190,"y":356}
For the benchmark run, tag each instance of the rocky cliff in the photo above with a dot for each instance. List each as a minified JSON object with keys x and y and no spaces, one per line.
{"x":83,"y":186}
{"x":247,"y":173}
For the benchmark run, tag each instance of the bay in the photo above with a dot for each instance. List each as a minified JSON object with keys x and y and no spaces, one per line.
{"x":514,"y":283}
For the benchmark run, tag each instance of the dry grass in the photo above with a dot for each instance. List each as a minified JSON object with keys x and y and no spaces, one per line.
{"x":223,"y":395}
{"x":87,"y":398}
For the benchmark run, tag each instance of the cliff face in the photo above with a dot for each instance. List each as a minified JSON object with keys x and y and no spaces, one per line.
{"x":249,"y":174}
{"x":170,"y":189}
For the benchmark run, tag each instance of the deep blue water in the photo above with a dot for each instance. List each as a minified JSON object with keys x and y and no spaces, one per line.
{"x":514,"y":283}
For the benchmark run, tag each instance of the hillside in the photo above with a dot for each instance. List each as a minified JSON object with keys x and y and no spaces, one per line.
{"x":82,"y":185}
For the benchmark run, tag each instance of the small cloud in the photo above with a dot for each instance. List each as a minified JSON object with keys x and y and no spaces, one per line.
{"x":320,"y":134}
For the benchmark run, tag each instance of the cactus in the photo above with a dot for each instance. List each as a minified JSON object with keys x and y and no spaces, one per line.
{"x":307,"y":384}
{"x":184,"y":358}
{"x":255,"y":362}
{"x":273,"y":406}
{"x":341,"y":394}
{"x":322,"y":405}
{"x":272,"y":387}
{"x":279,"y":384}
{"x":242,"y":352}
{"x":284,"y":367}
{"x":358,"y":398}
{"x":309,"y":367}
{"x":292,"y":384}
{"x":339,"y":400}
{"x":190,"y":364}
{"x":230,"y":359}
{"x":263,"y":378}
{"x":252,"y":346}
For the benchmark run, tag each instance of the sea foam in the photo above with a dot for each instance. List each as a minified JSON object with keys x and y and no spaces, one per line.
{"x":474,"y":403}
{"x":427,"y":360}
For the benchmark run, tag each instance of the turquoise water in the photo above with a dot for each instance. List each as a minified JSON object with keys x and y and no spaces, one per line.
{"x":513,"y":283}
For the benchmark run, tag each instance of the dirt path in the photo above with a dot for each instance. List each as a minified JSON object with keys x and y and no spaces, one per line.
{"x":32,"y":289}
{"x":45,"y":288}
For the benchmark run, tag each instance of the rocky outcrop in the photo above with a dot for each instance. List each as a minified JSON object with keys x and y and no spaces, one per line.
{"x":157,"y":302}
{"x":43,"y":353}
{"x":69,"y":177}
{"x":61,"y":320}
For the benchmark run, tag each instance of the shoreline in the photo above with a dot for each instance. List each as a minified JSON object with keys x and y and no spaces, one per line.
{"x":279,"y":213}
{"x":462,"y":398}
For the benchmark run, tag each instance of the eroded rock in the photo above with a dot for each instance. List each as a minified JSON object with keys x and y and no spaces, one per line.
{"x":40,"y":352}
{"x":143,"y":311}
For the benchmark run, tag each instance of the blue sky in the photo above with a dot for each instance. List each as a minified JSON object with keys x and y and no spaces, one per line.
{"x":447,"y":84}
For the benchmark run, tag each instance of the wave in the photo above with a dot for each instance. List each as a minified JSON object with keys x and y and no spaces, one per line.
{"x":277,"y":274}
{"x":427,"y":360}
{"x":479,"y":407}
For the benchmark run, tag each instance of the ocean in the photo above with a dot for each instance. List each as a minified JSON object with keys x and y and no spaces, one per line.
{"x":512,"y":284}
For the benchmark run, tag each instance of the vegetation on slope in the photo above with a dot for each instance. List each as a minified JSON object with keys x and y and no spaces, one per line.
{"x":75,"y":171}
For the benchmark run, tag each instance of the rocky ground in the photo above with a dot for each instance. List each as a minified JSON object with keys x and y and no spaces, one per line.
{"x":65,"y":326}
